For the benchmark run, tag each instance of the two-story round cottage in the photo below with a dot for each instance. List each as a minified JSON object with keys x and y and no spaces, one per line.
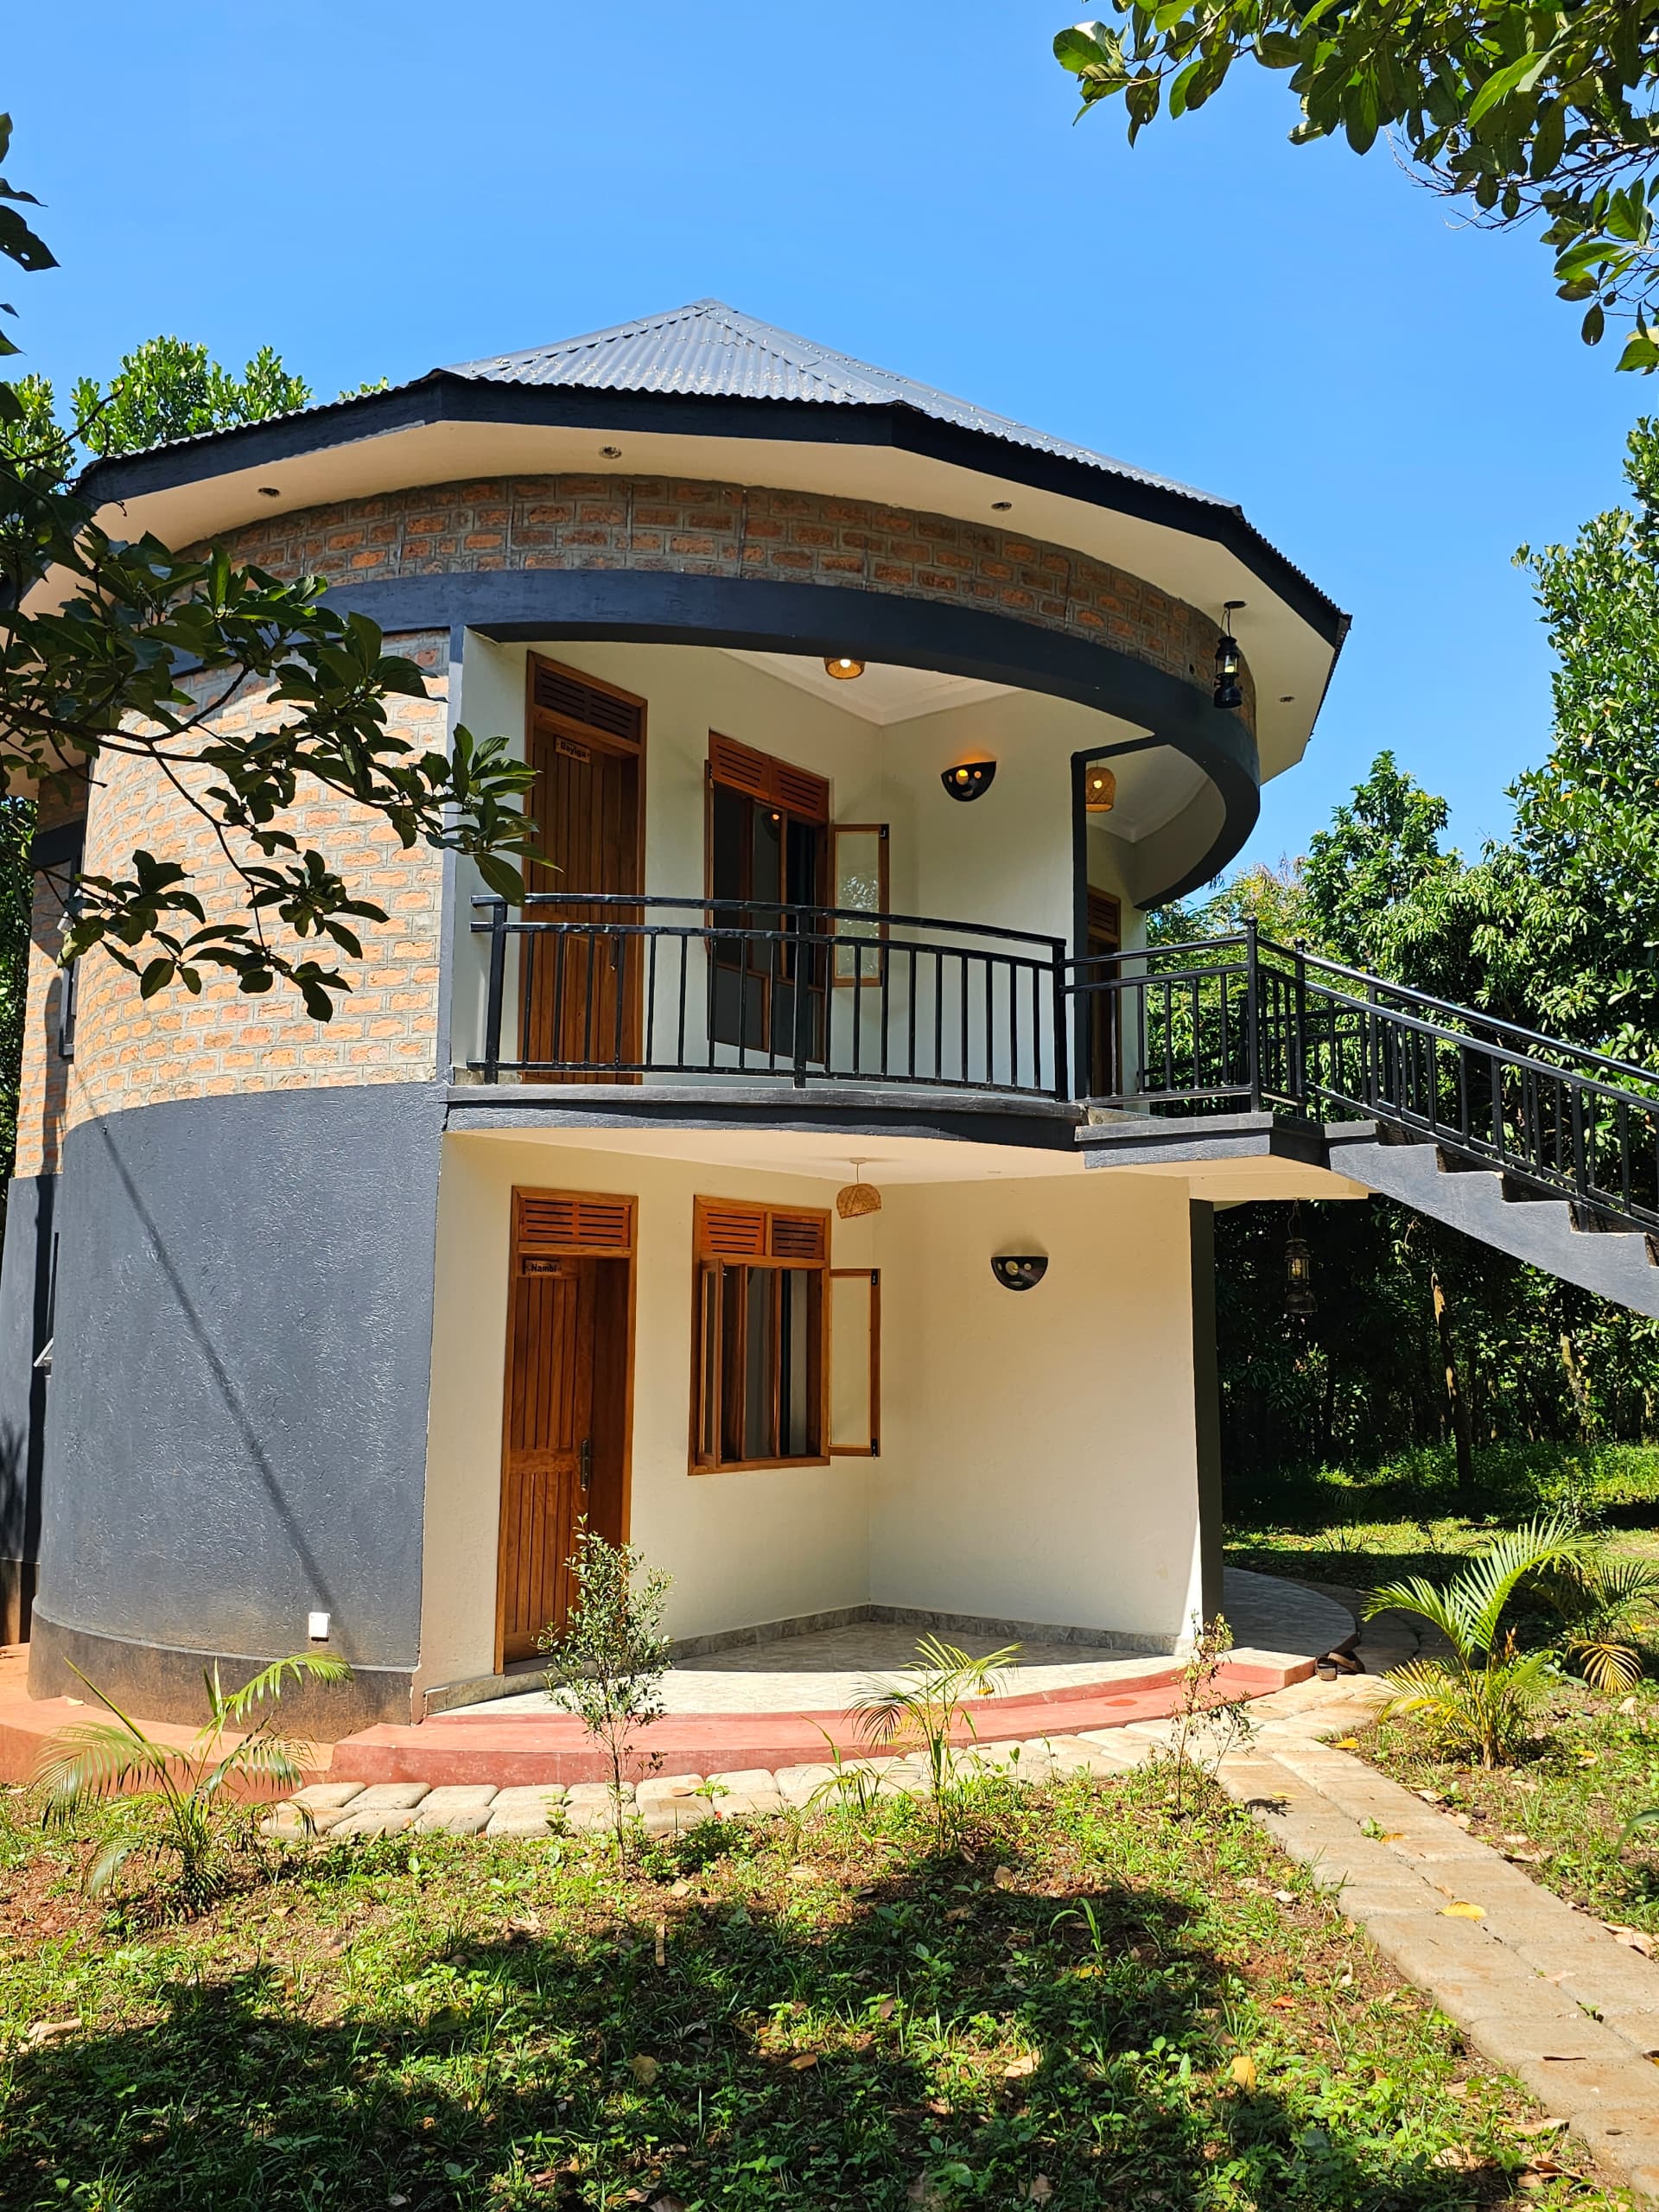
{"x":865,"y":720}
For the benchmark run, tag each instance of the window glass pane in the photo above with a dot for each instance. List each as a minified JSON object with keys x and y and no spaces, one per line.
{"x":766,"y":863}
{"x":805,"y":864}
{"x":799,"y":1353}
{"x":732,"y":1283}
{"x":759,"y":1363}
{"x":858,"y":885}
{"x":708,"y":1439}
{"x":728,"y":841}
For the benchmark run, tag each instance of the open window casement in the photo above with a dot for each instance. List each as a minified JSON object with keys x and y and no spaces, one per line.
{"x":859,"y":872}
{"x":855,"y":1363}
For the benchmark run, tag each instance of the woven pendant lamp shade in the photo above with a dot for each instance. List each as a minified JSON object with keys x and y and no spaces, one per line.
{"x":854,"y":1199}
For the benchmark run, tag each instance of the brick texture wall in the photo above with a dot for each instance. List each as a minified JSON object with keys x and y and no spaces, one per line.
{"x":132,"y":1053}
{"x":731,"y":530}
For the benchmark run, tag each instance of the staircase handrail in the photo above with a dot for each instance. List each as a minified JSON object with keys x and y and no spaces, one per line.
{"x":1532,"y":1038}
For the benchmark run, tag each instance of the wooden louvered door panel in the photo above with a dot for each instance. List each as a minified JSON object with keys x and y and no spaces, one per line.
{"x":550,"y":1440}
{"x":581,"y":992}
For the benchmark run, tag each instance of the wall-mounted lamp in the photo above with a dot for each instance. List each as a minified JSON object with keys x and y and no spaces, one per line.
{"x":1299,"y":1265}
{"x":1014,"y":1272}
{"x":1229,"y":660}
{"x":843,"y":667}
{"x":972,"y":779}
{"x":1099,"y":790}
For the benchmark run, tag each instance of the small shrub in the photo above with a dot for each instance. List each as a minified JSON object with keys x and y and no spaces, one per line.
{"x":174,"y":1805}
{"x":607,"y":1664}
{"x":1484,"y":1698}
{"x":1209,"y":1723}
{"x":923,"y":1711}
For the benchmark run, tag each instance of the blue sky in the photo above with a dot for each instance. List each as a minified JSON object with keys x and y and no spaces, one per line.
{"x":1396,"y":401}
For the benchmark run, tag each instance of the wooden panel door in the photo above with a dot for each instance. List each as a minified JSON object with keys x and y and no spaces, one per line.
{"x":549,"y":1458}
{"x":580,"y":993}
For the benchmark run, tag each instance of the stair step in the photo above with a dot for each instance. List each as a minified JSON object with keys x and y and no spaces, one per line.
{"x":1590,"y":1221}
{"x":1516,"y":1191}
{"x":1460,"y":1163}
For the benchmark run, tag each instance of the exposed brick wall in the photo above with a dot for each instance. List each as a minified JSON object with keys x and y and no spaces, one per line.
{"x":731,"y":530}
{"x":133,"y":1053}
{"x":44,"y":1080}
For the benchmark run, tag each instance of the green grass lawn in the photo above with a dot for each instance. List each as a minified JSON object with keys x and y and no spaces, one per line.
{"x":1087,"y":2004}
{"x":1560,"y":1811}
{"x":1408,"y":1516}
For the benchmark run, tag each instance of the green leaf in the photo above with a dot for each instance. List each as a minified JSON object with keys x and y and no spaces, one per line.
{"x":1087,"y":46}
{"x":1593,"y":325}
{"x":1519,"y":76}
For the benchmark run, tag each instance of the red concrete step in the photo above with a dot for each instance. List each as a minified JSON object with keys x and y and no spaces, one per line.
{"x":512,"y":1750}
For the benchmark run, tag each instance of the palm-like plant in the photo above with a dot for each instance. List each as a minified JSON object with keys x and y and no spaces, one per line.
{"x":1604,"y":1603}
{"x":189,"y":1804}
{"x":1482,"y":1699}
{"x":923,"y":1711}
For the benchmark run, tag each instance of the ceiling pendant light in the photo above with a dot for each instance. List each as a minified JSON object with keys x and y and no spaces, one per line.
{"x":843,"y":667}
{"x":854,"y":1199}
{"x":1099,"y":790}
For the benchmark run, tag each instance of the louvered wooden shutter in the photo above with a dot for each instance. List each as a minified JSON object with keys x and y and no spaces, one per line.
{"x":566,"y":692}
{"x":775,"y":783}
{"x":799,"y":1236}
{"x":730,"y":1230}
{"x":570,"y":1221}
{"x":799,"y":791}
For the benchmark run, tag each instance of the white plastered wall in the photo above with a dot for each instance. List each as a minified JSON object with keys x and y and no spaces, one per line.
{"x":1039,"y":1447}
{"x":1039,"y":1453}
{"x":1005,"y":860}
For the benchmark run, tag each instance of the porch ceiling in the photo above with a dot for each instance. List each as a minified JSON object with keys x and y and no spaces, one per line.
{"x":883,"y":1158}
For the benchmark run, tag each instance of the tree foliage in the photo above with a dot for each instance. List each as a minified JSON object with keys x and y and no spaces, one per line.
{"x":1527,"y":113}
{"x":1555,"y":927}
{"x":111,"y":648}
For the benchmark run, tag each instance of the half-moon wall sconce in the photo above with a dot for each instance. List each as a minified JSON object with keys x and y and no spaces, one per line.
{"x":971,"y":779}
{"x":1014,"y":1272}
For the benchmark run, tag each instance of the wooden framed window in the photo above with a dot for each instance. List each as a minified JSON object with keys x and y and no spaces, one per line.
{"x":859,"y":880}
{"x":768,"y":848}
{"x":760,"y":1389}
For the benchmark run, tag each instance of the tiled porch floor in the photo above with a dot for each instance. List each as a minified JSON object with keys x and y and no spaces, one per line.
{"x":822,"y":1673}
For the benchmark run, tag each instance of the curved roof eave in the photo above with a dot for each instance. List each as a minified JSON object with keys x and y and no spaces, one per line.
{"x":454,"y":396}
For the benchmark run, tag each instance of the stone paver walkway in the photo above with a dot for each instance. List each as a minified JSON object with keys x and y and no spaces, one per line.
{"x":1542,"y":1990}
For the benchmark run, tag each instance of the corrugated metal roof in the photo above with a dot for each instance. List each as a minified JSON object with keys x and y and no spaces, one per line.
{"x":709,"y":348}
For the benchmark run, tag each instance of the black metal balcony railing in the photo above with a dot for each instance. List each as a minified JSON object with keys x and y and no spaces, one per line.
{"x":612,"y":988}
{"x":1243,"y":1022}
{"x":615,"y":988}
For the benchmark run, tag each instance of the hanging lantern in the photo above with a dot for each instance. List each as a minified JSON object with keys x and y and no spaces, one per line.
{"x":1229,"y":660}
{"x":1299,"y":1265}
{"x":1099,"y":790}
{"x":854,"y":1199}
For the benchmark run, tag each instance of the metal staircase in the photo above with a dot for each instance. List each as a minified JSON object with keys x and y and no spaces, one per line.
{"x":1537,"y":1148}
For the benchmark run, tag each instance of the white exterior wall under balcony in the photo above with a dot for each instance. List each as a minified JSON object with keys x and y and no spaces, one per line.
{"x":1039,"y":1454}
{"x":1004,"y":860}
